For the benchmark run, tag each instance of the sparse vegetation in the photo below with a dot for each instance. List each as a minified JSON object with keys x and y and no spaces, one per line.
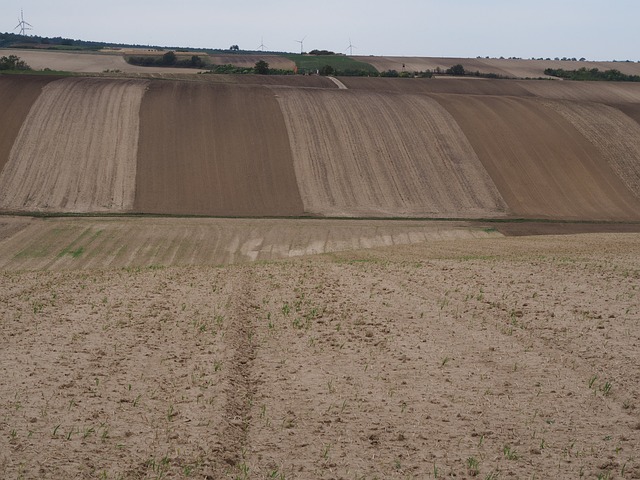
{"x":593,"y":74}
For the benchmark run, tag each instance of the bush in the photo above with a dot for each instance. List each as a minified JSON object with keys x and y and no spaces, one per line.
{"x":261,"y":68}
{"x":456,"y":70}
{"x":13,"y":62}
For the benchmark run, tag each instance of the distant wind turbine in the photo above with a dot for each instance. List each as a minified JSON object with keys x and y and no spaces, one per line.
{"x":301,"y":44}
{"x":351,"y":47}
{"x":262,"y":45}
{"x":22,"y":25}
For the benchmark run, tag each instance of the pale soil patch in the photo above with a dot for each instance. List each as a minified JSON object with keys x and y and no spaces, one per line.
{"x":141,"y":242}
{"x":542,"y":166}
{"x":520,"y":354}
{"x":362,"y":153}
{"x":77,"y":149}
{"x":615,"y":134}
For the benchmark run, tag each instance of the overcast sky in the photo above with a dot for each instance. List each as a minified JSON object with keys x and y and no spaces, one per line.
{"x":595,"y":29}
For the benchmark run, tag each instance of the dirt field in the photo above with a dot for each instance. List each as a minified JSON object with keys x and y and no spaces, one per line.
{"x":76,"y":150}
{"x":473,"y":358}
{"x":520,"y":142}
{"x":294,"y":145}
{"x":214,"y":150}
{"x":364,"y":154}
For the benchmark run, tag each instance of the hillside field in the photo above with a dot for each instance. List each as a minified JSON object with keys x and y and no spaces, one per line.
{"x":295,"y":277}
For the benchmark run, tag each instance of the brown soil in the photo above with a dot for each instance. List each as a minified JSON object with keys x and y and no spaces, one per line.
{"x":542,"y":166}
{"x":366,"y":154}
{"x":214,"y":150}
{"x":472,"y":358}
{"x":613,"y":133}
{"x":17,"y":95}
{"x":518,"y":229}
{"x":467,"y":86}
{"x":76,"y":150}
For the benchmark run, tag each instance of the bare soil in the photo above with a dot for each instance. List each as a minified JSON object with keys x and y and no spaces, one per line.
{"x":85,"y":243}
{"x":369,"y":154}
{"x":543,"y":167}
{"x":214,"y":150}
{"x":476,"y":358}
{"x":76,"y":150}
{"x":17,"y":95}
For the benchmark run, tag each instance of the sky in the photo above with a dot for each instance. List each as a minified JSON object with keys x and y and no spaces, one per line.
{"x":594,"y":29}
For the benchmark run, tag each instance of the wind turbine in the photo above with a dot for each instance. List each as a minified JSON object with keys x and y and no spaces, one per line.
{"x":262,"y":45}
{"x":351,"y":47}
{"x":301,"y":45}
{"x":22,"y":25}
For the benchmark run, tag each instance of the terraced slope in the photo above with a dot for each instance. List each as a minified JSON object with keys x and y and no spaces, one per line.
{"x":367,"y":154}
{"x":76,"y":150}
{"x":214,"y":150}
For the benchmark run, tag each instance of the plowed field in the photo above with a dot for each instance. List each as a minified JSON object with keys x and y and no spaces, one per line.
{"x":613,"y":133}
{"x":297,"y":146}
{"x":364,"y":154}
{"x":473,"y":358}
{"x":541,"y":164}
{"x":76,"y":150}
{"x":214,"y":150}
{"x":17,"y":95}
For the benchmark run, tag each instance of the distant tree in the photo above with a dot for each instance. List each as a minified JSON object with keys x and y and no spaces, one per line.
{"x":390,"y":73}
{"x":234,"y":48}
{"x":261,"y":68}
{"x":321,"y":52}
{"x":455,"y":70}
{"x":327,"y":70}
{"x":196,"y":61}
{"x":13,"y":62}
{"x":169,"y":58}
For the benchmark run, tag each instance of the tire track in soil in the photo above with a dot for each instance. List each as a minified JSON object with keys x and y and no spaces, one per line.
{"x":241,"y":386}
